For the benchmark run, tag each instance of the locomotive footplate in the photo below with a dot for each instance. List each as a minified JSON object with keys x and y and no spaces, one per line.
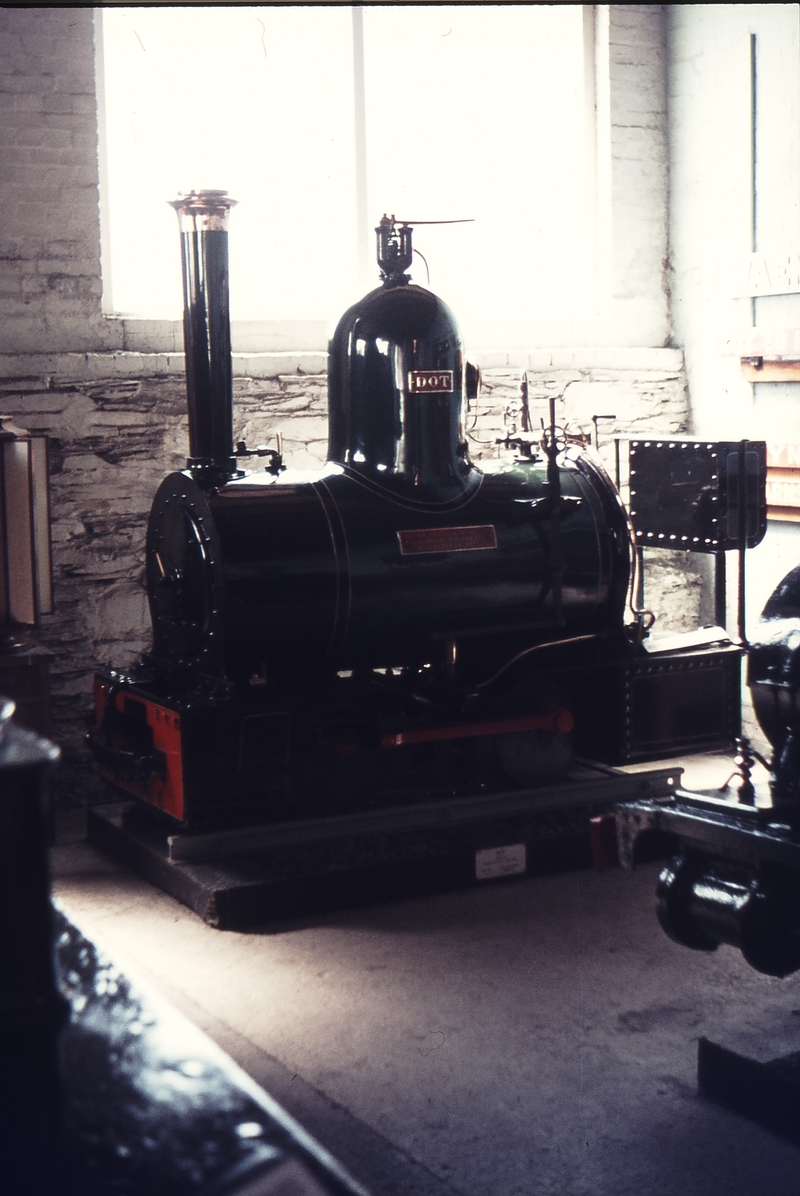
{"x":244,"y":877}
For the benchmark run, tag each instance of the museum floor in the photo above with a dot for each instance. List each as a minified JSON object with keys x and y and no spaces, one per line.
{"x":522,"y":1038}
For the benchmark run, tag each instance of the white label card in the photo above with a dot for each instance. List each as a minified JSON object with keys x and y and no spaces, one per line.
{"x":500,"y":861}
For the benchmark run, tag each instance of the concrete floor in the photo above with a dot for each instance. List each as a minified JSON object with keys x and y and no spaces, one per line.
{"x":522,"y":1038}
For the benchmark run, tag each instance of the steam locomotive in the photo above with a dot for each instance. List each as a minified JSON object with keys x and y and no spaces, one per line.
{"x":401,"y":622}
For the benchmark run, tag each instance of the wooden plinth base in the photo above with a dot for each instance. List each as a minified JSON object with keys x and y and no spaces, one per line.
{"x":235,"y":879}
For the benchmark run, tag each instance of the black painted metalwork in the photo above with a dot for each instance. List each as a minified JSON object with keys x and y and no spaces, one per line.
{"x":396,"y":402}
{"x":703,"y":901}
{"x":263,"y":573}
{"x":747,"y":512}
{"x":685,"y":493}
{"x":152,"y":1108}
{"x":736,"y":878}
{"x":746,"y":759}
{"x":203,"y":218}
{"x":774,"y":680}
{"x":720,"y":590}
{"x":395,"y":251}
{"x":31,"y":1009}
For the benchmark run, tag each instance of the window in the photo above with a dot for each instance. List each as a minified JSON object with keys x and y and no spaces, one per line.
{"x":471,"y":112}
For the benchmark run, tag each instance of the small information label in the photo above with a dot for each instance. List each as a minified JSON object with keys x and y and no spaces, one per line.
{"x":500,"y":861}
{"x":447,"y":539}
{"x":430,"y":381}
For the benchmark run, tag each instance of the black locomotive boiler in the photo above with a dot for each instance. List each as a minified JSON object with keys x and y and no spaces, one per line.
{"x":401,"y":622}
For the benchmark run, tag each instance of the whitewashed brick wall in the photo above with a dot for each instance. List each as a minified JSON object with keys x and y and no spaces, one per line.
{"x":639,"y":174}
{"x":50,"y":284}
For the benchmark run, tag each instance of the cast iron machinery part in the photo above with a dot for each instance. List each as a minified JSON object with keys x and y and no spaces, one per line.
{"x":184,"y":581}
{"x":32,"y":1010}
{"x":396,"y":394}
{"x":543,"y":754}
{"x":774,"y":680}
{"x":702,"y":901}
{"x":203,"y":220}
{"x":395,"y":251}
{"x":327,"y":573}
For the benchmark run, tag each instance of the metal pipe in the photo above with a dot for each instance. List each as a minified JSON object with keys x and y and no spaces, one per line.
{"x":203,"y":220}
{"x":554,"y":499}
{"x":742,"y":535}
{"x":720,"y":590}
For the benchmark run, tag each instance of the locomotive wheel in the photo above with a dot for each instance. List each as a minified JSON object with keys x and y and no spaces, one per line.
{"x":533,"y":757}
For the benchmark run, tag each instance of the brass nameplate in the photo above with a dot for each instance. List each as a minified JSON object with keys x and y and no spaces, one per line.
{"x":430,"y":381}
{"x":447,"y":539}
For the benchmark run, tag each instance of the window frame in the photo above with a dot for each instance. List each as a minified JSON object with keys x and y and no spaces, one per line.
{"x":148,"y":334}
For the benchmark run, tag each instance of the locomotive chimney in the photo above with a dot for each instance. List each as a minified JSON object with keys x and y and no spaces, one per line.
{"x":203,"y":220}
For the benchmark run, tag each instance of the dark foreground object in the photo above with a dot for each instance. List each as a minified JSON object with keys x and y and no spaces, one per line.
{"x":735,"y":872}
{"x":734,"y":876}
{"x":153,"y":1108}
{"x":234,"y":879}
{"x":768,"y":1093}
{"x":31,"y":1009}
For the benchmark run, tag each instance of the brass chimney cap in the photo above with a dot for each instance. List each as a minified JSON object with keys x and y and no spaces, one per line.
{"x":205,"y":211}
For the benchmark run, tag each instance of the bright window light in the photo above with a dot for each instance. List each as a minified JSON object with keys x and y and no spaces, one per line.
{"x":478,"y":112}
{"x":472,"y":112}
{"x":257,"y":101}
